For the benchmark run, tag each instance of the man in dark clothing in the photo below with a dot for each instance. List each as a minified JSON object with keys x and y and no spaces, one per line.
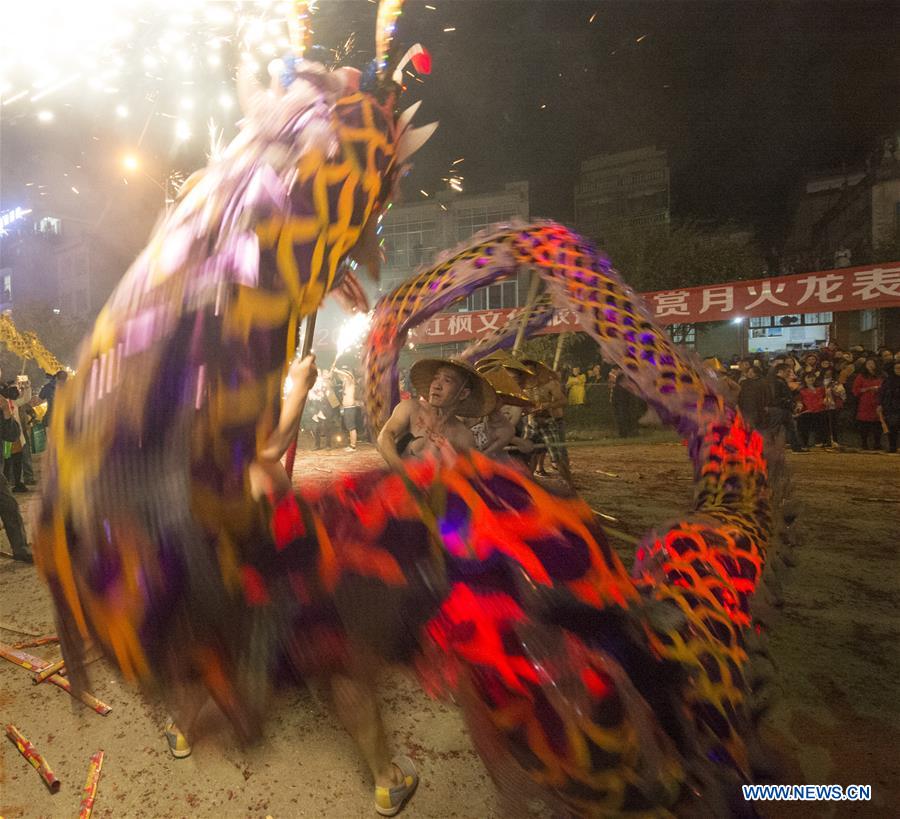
{"x":755,"y":398}
{"x":889,"y":405}
{"x":780,"y":413}
{"x":9,"y":508}
{"x":48,"y":393}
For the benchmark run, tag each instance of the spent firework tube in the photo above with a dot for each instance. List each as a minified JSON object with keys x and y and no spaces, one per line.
{"x":31,"y":663}
{"x":31,"y":754}
{"x":49,"y":671}
{"x":40,"y":641}
{"x":90,"y":786}
{"x":21,"y":659}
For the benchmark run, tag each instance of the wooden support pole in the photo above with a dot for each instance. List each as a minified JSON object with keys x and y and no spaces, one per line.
{"x":533,"y":292}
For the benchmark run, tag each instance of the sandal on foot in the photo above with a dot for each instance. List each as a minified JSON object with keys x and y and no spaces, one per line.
{"x":390,"y":801}
{"x":179,"y":747}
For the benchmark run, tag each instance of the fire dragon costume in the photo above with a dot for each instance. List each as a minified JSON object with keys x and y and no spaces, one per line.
{"x":609,"y":693}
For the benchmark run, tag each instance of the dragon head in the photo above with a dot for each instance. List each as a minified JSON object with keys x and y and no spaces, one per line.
{"x":369,"y":130}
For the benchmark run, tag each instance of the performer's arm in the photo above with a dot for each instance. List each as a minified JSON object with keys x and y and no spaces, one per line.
{"x":559,"y":400}
{"x":303,"y":376}
{"x":394,"y":429}
{"x":500,"y":436}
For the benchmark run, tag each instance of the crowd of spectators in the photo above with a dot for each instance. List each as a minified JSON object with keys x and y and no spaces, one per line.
{"x":828,"y":397}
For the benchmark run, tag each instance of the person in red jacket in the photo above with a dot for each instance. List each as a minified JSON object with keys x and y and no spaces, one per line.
{"x":865,"y":388}
{"x":811,"y":417}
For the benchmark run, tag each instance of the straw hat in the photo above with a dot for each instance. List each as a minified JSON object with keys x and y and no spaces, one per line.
{"x":544,"y":374}
{"x":508,"y":391}
{"x":481,"y":399}
{"x":504,"y":359}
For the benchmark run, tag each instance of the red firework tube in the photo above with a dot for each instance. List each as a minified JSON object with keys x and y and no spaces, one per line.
{"x":88,"y":699}
{"x":90,"y":786}
{"x":31,"y":754}
{"x":41,"y":641}
{"x":30,"y":663}
{"x":22,"y":659}
{"x":49,"y":671}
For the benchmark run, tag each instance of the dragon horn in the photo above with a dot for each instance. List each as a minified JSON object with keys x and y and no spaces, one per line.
{"x":421,"y":61}
{"x":298,"y":27}
{"x":405,"y":118}
{"x":385,"y":23}
{"x":411,"y":140}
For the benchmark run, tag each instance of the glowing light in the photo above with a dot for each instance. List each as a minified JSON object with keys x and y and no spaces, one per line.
{"x":182,"y":130}
{"x":15,"y":97}
{"x":424,"y":193}
{"x":593,"y":17}
{"x":10,"y":216}
{"x":74,"y":189}
{"x":450,"y":28}
{"x":55,"y":87}
{"x":642,"y":37}
{"x":121,"y":111}
{"x":226,"y":101}
{"x":45,"y":116}
{"x":352,"y":332}
{"x":130,"y":162}
{"x":737,"y":320}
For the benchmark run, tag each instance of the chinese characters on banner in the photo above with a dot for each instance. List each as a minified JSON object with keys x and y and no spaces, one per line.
{"x":853,"y":288}
{"x":448,"y":327}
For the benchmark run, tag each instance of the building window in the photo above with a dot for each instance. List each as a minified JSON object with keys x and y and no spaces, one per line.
{"x":684,"y":334}
{"x":49,"y":226}
{"x":761,"y":321}
{"x":817,"y":318}
{"x":7,"y":287}
{"x":867,"y":320}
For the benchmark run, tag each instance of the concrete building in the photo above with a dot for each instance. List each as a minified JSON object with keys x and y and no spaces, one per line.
{"x":60,"y":262}
{"x":629,"y":188}
{"x":847,"y":219}
{"x":413,"y":234}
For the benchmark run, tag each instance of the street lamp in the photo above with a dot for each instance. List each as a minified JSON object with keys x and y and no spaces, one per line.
{"x":132,"y":164}
{"x":740,"y":323}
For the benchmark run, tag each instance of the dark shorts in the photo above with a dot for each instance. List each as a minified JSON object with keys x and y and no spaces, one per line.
{"x":352,"y":417}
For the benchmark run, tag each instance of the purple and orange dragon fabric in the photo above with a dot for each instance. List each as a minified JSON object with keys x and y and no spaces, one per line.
{"x":614,"y":693}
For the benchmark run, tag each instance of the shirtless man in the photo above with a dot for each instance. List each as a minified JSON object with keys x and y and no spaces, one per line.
{"x":353,"y":692}
{"x":549,"y":402}
{"x":351,"y":412}
{"x":431,"y":425}
{"x":499,"y":429}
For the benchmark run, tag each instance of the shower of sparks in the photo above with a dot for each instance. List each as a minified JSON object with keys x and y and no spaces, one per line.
{"x":135,"y":59}
{"x":352,"y":332}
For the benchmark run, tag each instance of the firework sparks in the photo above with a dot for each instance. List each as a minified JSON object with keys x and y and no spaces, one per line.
{"x":352,"y":332}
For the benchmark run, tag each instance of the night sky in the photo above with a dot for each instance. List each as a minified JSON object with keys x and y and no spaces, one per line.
{"x":746,"y":97}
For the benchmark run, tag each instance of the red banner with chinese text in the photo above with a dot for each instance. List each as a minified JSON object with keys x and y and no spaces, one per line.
{"x":851,"y":288}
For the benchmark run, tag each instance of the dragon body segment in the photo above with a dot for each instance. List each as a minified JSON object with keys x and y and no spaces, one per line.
{"x":613,"y":693}
{"x":694,"y":579}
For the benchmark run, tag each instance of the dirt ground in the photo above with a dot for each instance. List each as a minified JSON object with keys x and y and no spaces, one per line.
{"x":836,"y":642}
